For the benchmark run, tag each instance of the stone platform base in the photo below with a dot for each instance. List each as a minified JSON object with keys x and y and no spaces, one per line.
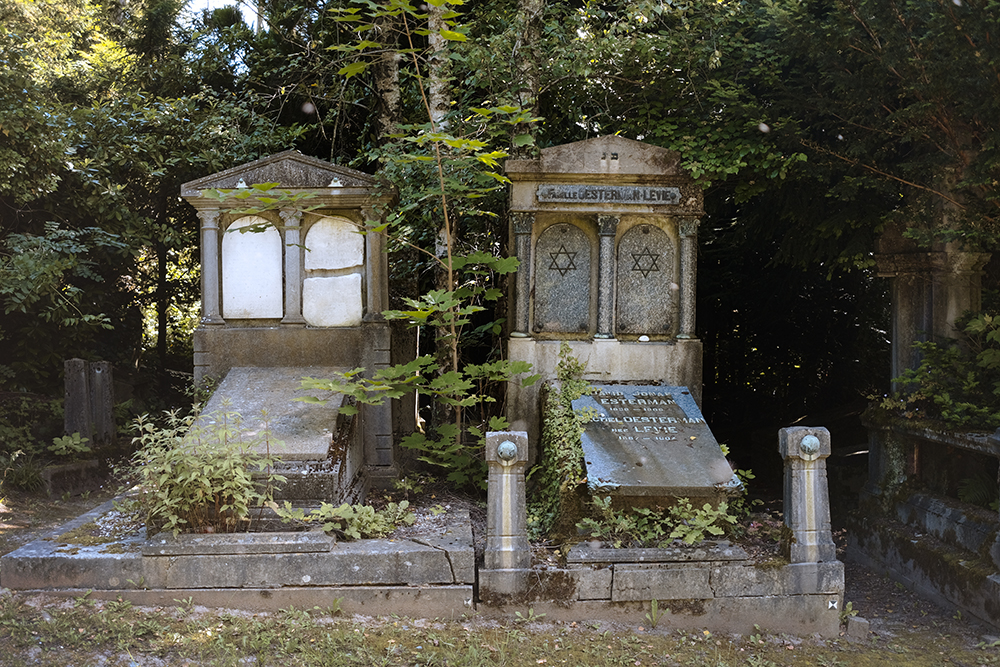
{"x":432,"y":575}
{"x":445,"y":602}
{"x":714,"y":585}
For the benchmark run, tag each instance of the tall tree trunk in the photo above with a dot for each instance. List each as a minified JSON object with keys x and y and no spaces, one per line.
{"x":529,"y":37}
{"x":439,"y":103}
{"x":387,"y":80}
{"x":439,"y":90}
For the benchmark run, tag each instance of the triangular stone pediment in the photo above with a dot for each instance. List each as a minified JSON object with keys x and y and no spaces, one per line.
{"x":289,"y":169}
{"x":603,"y":155}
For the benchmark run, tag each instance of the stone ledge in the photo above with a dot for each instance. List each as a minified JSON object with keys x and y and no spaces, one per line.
{"x":943,"y":573}
{"x":795,"y":614}
{"x":449,"y":602}
{"x":634,"y":582}
{"x":796,"y":579}
{"x":257,"y":560}
{"x":707,"y":551}
{"x":166,"y":544}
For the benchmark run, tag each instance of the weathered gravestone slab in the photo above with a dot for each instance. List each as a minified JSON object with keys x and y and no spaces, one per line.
{"x":650,"y":445}
{"x":299,"y":431}
{"x":562,"y":280}
{"x":646,"y":302}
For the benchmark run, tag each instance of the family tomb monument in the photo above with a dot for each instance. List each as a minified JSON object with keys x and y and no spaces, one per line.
{"x":606,"y":231}
{"x":293,"y":292}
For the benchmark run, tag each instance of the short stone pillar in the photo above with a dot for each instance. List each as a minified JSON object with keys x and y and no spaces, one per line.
{"x":807,"y":496}
{"x":507,"y":545}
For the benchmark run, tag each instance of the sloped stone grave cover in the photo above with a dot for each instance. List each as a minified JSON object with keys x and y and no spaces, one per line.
{"x":650,"y":441}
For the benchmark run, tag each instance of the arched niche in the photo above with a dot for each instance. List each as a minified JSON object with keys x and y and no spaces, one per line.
{"x":562,"y":280}
{"x":251,"y":271}
{"x":333,"y":284}
{"x":332,"y":243}
{"x":646,"y":299}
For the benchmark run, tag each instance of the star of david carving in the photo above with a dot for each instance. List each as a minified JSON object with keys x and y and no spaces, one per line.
{"x":562,"y":261}
{"x":645,"y":262}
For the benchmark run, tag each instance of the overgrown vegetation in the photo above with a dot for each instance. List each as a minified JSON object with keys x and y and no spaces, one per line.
{"x":958,"y":381}
{"x":563,"y":508}
{"x":645,"y":527}
{"x":449,"y":166}
{"x":558,"y":481}
{"x":197,"y":473}
{"x":352,"y":522}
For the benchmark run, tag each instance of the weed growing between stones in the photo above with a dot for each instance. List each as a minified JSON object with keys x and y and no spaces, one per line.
{"x":645,"y":527}
{"x":197,"y":474}
{"x":353,"y":522}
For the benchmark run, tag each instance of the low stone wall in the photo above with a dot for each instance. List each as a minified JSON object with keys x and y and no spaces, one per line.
{"x":714,"y":585}
{"x":430,"y":575}
{"x":946,"y":550}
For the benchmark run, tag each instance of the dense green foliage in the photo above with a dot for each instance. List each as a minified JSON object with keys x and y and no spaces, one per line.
{"x":811,"y":124}
{"x":198,"y":474}
{"x":957,"y":382}
{"x":643,"y":527}
{"x":558,"y":480}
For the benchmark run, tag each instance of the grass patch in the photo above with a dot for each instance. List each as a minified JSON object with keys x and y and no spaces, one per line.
{"x":54,"y":631}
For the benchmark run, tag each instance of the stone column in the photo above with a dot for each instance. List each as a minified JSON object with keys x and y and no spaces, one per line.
{"x":102,"y":402}
{"x":994,"y":443}
{"x":930,"y":288}
{"x":807,"y":497}
{"x":607,"y":226}
{"x":211,"y":303}
{"x":688,"y":229}
{"x":291,"y":222}
{"x":377,"y":274}
{"x":507,"y":545}
{"x":76,"y":403}
{"x":522,"y":224}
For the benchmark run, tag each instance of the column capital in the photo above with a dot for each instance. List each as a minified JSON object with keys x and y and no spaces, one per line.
{"x":607,"y":225}
{"x":688,"y":227}
{"x":290,"y":217}
{"x":522,"y":221}
{"x":209,"y":217}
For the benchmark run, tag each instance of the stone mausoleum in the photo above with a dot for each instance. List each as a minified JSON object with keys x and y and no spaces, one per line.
{"x":297,"y":291}
{"x":607,"y":234}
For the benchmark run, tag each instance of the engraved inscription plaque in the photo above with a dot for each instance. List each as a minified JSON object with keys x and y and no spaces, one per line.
{"x":646,"y":302}
{"x":562,"y":280}
{"x":622,"y":194}
{"x":651,"y":441}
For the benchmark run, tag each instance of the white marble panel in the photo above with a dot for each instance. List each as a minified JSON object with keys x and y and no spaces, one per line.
{"x":251,"y":272}
{"x":333,"y":301}
{"x":334,"y":243}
